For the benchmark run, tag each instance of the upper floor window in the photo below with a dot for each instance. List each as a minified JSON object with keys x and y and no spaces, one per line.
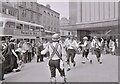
{"x":4,"y":10}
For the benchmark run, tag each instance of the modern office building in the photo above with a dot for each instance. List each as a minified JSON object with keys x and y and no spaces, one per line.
{"x":93,"y":18}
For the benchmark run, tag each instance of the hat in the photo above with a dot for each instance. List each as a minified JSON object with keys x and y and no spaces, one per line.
{"x":85,"y":38}
{"x":55,"y":37}
{"x":12,"y":39}
{"x":95,"y":37}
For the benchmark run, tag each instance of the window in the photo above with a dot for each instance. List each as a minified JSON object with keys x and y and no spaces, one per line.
{"x":4,"y":10}
{"x":32,"y":28}
{"x":19,"y":26}
{"x":42,"y":29}
{"x":68,"y":33}
{"x":63,"y":33}
{"x":37,"y":29}
{"x":1,"y":24}
{"x":26,"y":27}
{"x":10,"y":24}
{"x":31,"y":15}
{"x":24,"y":13}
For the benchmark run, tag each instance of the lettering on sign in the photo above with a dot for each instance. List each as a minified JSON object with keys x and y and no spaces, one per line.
{"x":18,"y":32}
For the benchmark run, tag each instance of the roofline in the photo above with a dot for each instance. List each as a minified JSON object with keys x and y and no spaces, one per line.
{"x":49,"y":9}
{"x":15,"y":20}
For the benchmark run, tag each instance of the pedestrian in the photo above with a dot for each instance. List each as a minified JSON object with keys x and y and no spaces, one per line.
{"x":85,"y":48}
{"x":72,"y":47}
{"x":13,"y":55}
{"x":2,"y":59}
{"x":55,"y":58}
{"x":38,"y":52}
{"x":25,"y":48}
{"x":29,"y":51}
{"x":97,"y":48}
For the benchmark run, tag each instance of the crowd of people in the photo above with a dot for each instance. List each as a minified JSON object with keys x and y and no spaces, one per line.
{"x":58,"y":50}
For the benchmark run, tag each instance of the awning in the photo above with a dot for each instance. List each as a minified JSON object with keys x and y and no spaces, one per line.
{"x":96,"y":25}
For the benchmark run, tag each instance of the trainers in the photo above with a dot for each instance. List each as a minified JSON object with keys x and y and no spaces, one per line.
{"x":53,"y":80}
{"x":74,"y":64}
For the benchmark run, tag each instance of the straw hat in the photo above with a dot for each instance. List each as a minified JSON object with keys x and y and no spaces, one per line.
{"x":95,"y":37}
{"x":56,"y":37}
{"x":12,"y":39}
{"x":85,"y":38}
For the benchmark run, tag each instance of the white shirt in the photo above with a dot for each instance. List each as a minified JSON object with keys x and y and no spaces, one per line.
{"x":50,"y":50}
{"x":95,"y":44}
{"x":71,"y":44}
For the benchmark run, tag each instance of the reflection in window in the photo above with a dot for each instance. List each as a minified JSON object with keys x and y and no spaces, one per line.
{"x":19,"y":26}
{"x":10,"y":25}
{"x":42,"y":29}
{"x":37,"y":29}
{"x":26,"y":27}
{"x":32,"y":28}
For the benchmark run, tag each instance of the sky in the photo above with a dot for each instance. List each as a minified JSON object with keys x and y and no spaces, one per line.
{"x":60,"y":6}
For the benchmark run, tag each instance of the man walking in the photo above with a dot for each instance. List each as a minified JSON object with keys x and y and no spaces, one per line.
{"x":55,"y":58}
{"x":85,"y":48}
{"x":72,"y":46}
{"x":97,"y":48}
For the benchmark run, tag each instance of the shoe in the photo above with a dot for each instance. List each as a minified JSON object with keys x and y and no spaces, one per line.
{"x":63,"y":80}
{"x":90,"y":61}
{"x":68,"y":69}
{"x":18,"y":70}
{"x":74,"y":64}
{"x":100,"y":62}
{"x":83,"y":62}
{"x":53,"y":80}
{"x":3,"y":79}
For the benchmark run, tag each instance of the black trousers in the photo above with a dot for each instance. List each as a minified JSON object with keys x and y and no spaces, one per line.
{"x":29,"y":56}
{"x":55,"y":64}
{"x":40,"y":57}
{"x":70,"y":54}
{"x":26,"y":57}
{"x":1,"y":71}
{"x":85,"y":53}
{"x":97,"y":52}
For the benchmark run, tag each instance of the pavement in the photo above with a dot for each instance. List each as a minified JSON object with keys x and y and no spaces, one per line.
{"x":39,"y":72}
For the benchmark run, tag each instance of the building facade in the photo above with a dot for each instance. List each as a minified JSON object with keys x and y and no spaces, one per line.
{"x":32,"y":12}
{"x":43,"y":15}
{"x":93,"y":18}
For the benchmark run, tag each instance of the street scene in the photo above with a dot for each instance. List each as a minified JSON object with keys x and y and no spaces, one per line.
{"x":59,"y":41}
